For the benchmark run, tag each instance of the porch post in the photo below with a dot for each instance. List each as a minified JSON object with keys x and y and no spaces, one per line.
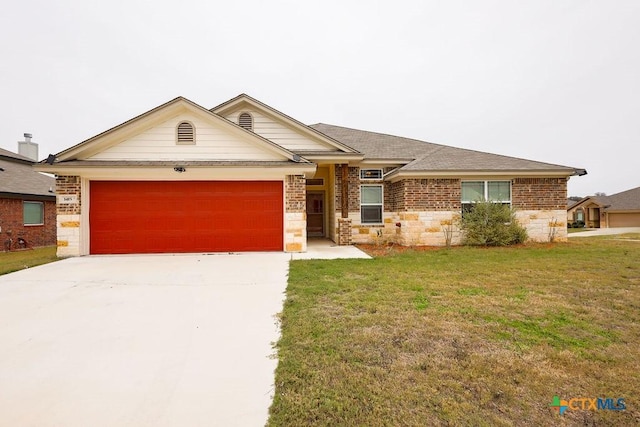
{"x":344,"y":222}
{"x":345,"y":191}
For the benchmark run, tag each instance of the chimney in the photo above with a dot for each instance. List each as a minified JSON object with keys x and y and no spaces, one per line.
{"x":27,"y":148}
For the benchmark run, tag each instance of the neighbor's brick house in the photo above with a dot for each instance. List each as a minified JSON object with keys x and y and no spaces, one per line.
{"x":27,"y":204}
{"x":244,"y":176}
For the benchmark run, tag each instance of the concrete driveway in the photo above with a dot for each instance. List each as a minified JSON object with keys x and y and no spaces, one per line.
{"x":180,"y":340}
{"x":605,"y":232}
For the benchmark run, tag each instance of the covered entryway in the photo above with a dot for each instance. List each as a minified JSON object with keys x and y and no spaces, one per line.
{"x":185,"y":216}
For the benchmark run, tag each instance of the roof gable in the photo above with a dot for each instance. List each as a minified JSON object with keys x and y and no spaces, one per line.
{"x":123,"y":140}
{"x":280,"y":128}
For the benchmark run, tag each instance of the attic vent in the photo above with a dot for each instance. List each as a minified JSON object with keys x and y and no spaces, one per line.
{"x":246,"y":121}
{"x":185,"y":133}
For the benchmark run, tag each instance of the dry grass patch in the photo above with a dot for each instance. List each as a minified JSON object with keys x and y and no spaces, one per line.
{"x":18,"y":260}
{"x":465,"y":336}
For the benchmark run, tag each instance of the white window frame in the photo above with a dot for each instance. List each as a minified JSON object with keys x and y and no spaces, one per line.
{"x":485,"y":183}
{"x":381,"y":204}
{"x":25,"y":202}
{"x":364,"y":178}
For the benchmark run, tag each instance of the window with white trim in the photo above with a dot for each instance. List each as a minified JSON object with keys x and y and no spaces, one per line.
{"x":246,"y":121}
{"x":185,"y":134}
{"x":33,"y":213}
{"x":371,"y":174}
{"x":477,"y":191}
{"x":371,"y":204}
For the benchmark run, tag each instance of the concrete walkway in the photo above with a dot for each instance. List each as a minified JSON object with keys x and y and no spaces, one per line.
{"x":160,"y":340}
{"x":605,"y":232}
{"x":319,"y":248}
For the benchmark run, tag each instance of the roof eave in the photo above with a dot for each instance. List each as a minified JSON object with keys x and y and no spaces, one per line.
{"x":466,"y":173}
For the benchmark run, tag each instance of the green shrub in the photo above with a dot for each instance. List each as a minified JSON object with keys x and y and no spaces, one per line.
{"x":491,"y":224}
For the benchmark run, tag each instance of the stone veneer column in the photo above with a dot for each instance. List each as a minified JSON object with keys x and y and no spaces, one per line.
{"x":68,"y":207}
{"x":295,"y":221}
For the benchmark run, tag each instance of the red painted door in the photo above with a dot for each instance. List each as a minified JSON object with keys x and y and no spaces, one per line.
{"x":185,"y":216}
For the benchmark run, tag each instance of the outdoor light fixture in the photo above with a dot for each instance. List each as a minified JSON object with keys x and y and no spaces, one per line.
{"x":179,"y":169}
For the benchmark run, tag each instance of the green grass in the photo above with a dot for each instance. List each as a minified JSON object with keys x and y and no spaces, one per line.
{"x":18,"y":260}
{"x":466,"y":336}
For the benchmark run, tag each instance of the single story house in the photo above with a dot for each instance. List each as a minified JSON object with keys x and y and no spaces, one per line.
{"x":617,"y":210}
{"x":27,"y":204}
{"x":244,"y":176}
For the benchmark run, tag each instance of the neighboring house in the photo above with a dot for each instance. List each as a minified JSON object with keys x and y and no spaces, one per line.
{"x":245,"y":177}
{"x":617,"y":210}
{"x":27,"y":204}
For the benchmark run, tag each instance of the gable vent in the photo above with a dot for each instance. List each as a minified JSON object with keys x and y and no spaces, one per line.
{"x":246,"y":121}
{"x":185,"y":133}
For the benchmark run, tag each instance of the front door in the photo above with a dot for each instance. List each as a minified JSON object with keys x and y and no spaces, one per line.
{"x":315,"y":214}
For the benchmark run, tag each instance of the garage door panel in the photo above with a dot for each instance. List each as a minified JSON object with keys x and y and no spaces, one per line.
{"x":191,"y":216}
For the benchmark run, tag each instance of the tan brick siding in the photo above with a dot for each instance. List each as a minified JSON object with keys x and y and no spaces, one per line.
{"x":539,"y":193}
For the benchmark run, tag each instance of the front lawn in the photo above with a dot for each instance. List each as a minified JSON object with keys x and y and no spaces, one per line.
{"x":18,"y":260}
{"x":465,"y":336}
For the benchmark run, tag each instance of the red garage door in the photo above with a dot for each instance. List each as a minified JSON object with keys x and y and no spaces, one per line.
{"x":186,"y":216}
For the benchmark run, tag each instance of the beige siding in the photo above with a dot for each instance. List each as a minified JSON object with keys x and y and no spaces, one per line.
{"x":212,"y":143}
{"x":279,"y":133}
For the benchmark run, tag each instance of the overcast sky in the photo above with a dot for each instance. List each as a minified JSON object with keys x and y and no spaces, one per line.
{"x":555,"y":81}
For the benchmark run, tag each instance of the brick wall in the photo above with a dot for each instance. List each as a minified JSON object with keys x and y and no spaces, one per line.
{"x":69,"y":185}
{"x":411,"y":195}
{"x":295,"y":193}
{"x":392,"y":196}
{"x":354,"y":188}
{"x":539,"y":193}
{"x":12,"y":224}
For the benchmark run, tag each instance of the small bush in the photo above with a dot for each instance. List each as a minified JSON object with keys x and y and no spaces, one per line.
{"x":491,"y":224}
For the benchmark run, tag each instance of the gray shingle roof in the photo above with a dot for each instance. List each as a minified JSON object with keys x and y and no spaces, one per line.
{"x":9,"y":154}
{"x":427,"y":156}
{"x":19,"y":178}
{"x":628,"y":200}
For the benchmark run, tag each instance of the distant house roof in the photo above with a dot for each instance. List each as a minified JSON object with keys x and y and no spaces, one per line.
{"x":18,"y":178}
{"x":624,"y":201}
{"x":426,"y":156}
